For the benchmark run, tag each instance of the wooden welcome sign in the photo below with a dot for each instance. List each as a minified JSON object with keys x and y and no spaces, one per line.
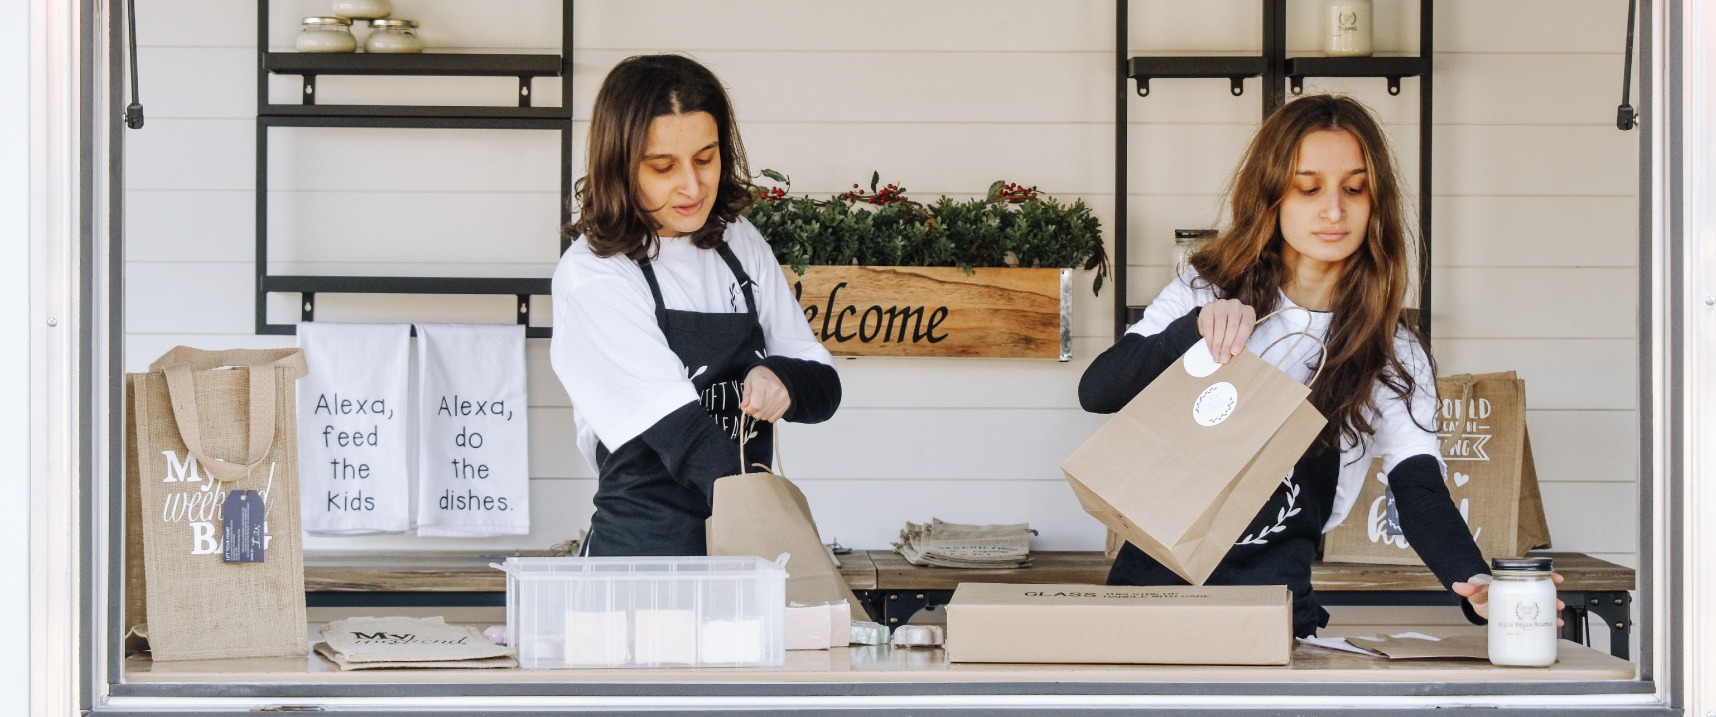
{"x":937,"y":311}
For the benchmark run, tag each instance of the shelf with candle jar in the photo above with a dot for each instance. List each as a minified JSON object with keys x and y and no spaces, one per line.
{"x":1346,"y":51}
{"x":397,"y":55}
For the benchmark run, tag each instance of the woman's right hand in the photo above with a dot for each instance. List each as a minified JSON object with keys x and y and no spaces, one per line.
{"x":1226,"y":325}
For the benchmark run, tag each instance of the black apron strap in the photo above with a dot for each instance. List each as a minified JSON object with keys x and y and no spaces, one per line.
{"x":655,"y":290}
{"x":738,"y":273}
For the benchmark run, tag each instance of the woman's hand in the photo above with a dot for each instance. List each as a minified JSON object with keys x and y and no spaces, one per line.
{"x":1226,"y":325}
{"x":1476,"y":589}
{"x":765,"y":397}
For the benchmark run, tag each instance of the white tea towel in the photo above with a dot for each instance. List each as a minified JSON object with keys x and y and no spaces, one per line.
{"x":354,"y":427}
{"x":473,"y":462}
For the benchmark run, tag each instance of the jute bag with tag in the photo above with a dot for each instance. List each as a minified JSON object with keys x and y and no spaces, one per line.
{"x":212,"y":504}
{"x":762,"y":513}
{"x":1183,"y":468}
{"x":1491,"y":477}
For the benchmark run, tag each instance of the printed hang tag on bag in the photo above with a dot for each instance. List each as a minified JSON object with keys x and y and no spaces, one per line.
{"x":241,"y":527}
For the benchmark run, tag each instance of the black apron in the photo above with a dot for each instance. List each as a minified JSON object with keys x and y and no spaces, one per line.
{"x":1276,"y":548}
{"x":640,"y":508}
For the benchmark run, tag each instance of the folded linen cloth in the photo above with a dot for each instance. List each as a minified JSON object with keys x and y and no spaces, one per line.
{"x":956,"y":545}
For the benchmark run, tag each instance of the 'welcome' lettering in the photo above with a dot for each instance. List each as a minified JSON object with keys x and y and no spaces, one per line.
{"x":889,"y":324}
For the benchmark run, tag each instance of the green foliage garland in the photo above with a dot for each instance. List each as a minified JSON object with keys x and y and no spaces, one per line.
{"x":1011,"y":226}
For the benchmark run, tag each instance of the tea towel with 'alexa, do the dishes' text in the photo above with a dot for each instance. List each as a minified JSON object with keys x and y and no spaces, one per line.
{"x":473,"y":462}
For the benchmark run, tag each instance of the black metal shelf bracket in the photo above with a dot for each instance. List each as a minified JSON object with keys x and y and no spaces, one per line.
{"x":1389,"y":68}
{"x":1235,"y":69}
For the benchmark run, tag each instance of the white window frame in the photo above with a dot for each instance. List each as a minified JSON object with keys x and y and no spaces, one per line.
{"x":71,"y":425}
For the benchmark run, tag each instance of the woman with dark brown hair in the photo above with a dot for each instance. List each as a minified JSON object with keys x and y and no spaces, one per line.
{"x":1317,"y":224}
{"x":672,"y":319}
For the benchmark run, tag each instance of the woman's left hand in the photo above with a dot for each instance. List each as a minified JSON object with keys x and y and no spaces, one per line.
{"x":1476,"y":589}
{"x":765,"y":397}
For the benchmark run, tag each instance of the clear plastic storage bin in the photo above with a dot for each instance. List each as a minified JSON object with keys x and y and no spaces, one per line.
{"x":646,"y":612}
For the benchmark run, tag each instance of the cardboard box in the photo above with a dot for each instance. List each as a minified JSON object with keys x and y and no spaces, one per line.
{"x":1219,"y":625}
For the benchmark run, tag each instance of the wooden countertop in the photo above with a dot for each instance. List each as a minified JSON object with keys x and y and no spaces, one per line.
{"x":447,"y":571}
{"x":882,"y":664}
{"x":439,"y":571}
{"x":1582,"y":572}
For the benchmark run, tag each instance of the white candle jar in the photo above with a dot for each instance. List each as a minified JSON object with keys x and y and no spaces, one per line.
{"x":1346,"y":28}
{"x":326,"y":34}
{"x":1522,"y":613}
{"x":393,"y":36}
{"x":363,"y":9}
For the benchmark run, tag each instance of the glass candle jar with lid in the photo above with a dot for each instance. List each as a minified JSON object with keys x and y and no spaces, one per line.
{"x":326,"y":34}
{"x":363,"y":9}
{"x":1346,"y":28}
{"x":1522,"y":613}
{"x":392,"y":36}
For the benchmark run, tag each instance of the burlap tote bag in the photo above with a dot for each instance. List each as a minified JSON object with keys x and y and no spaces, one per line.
{"x":762,"y":513}
{"x":203,"y":425}
{"x":1491,"y":478}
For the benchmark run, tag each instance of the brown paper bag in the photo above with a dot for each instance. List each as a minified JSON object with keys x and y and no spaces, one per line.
{"x":764,"y":514}
{"x":1182,"y":469}
{"x":1491,"y":477}
{"x":202,"y":425}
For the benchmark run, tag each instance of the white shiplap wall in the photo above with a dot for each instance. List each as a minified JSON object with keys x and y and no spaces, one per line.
{"x":1534,"y":221}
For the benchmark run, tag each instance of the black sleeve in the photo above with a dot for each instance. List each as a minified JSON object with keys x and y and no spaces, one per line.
{"x":813,"y":386}
{"x":1433,"y":525}
{"x":1116,"y":376}
{"x":693,"y":447}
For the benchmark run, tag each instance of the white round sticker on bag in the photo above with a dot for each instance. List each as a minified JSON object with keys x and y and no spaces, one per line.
{"x":1215,"y":404}
{"x":1198,"y":361}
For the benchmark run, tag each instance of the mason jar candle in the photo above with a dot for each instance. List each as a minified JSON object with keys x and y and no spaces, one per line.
{"x":1346,"y":28}
{"x":363,"y":9}
{"x":392,"y":36}
{"x":1522,"y":613}
{"x":326,"y":34}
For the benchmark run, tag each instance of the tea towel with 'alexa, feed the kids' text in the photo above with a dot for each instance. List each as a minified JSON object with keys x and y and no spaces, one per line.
{"x":354,"y":428}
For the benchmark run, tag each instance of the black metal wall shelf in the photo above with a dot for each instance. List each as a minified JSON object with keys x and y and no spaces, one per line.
{"x":439,"y":64}
{"x":309,"y":66}
{"x":1235,"y":69}
{"x":476,"y":112}
{"x":1390,"y":68}
{"x":1278,"y":72}
{"x":311,"y":286}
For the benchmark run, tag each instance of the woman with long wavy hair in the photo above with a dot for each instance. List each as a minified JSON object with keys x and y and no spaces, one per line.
{"x":1318,"y":225}
{"x":672,"y":319}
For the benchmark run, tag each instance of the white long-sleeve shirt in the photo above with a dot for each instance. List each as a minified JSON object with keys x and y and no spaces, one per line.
{"x":609,"y":351}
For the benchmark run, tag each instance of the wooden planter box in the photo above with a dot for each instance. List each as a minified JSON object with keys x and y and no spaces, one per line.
{"x":938,"y":311}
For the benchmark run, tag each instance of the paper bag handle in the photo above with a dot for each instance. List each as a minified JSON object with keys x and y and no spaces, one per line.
{"x":746,"y":422}
{"x":1322,"y":347}
{"x":263,"y":366}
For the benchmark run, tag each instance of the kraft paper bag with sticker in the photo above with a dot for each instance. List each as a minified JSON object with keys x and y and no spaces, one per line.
{"x":1490,"y":476}
{"x":212,"y":515}
{"x":763,"y":514}
{"x":1183,"y":468}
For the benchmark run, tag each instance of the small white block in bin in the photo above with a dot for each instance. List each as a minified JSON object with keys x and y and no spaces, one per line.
{"x":722,"y":642}
{"x":664,"y":637}
{"x":595,"y":638}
